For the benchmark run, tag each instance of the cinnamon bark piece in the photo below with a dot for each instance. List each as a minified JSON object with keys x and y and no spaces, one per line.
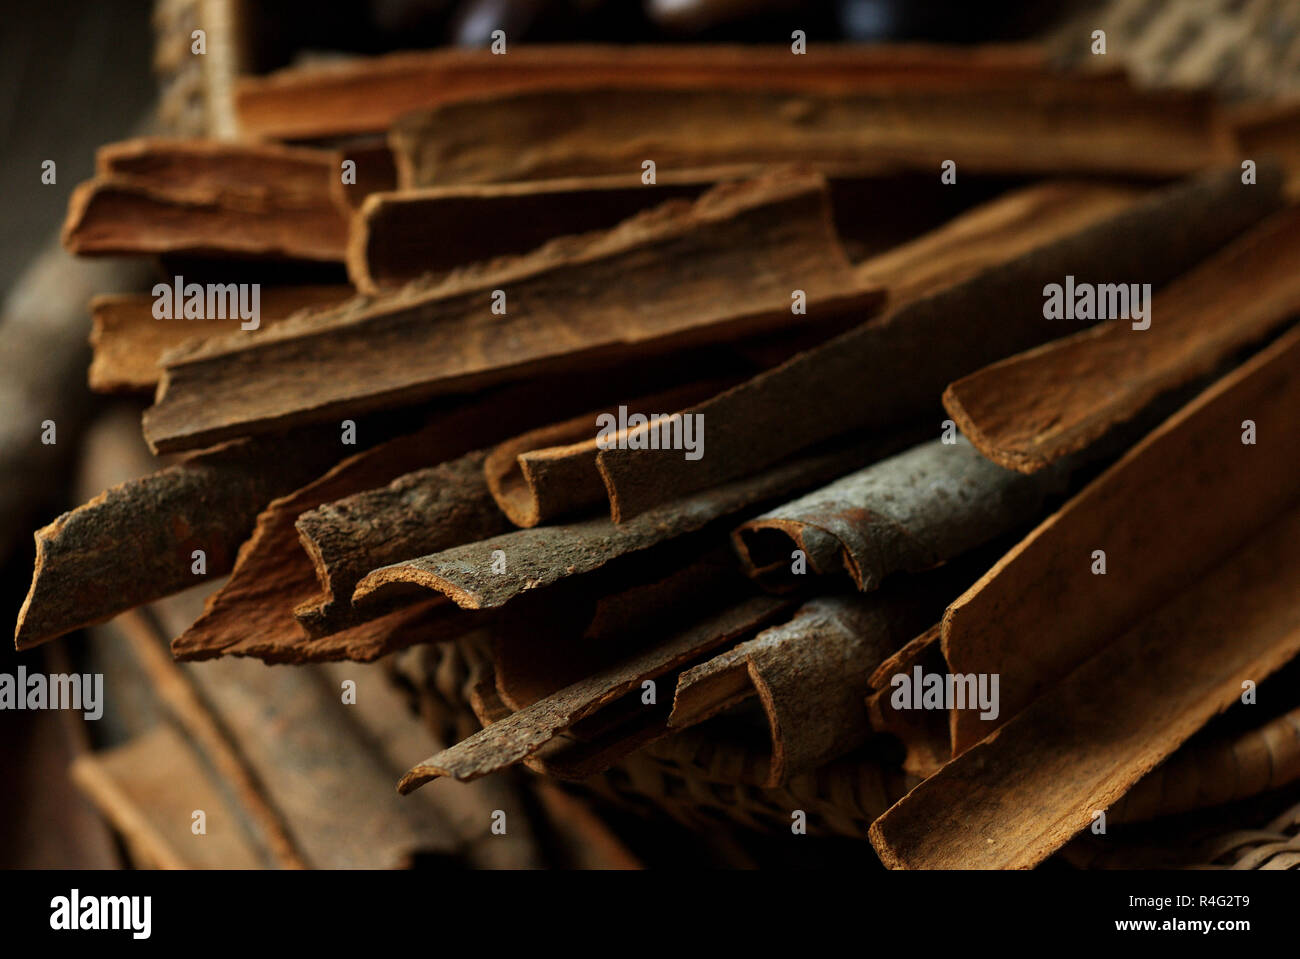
{"x":545,"y":555}
{"x":1030,"y":410}
{"x":1013,"y":799}
{"x":209,"y":198}
{"x":1067,"y":125}
{"x":939,"y":339}
{"x":908,"y":513}
{"x":318,"y":767}
{"x":1153,"y":527}
{"x":398,"y":237}
{"x":253,"y":614}
{"x":1175,"y":537}
{"x":148,"y":789}
{"x":419,"y":512}
{"x":134,"y":542}
{"x":369,"y":95}
{"x":994,"y":232}
{"x":129,"y":341}
{"x":810,"y":674}
{"x":520,"y":734}
{"x":551,"y":471}
{"x":1217,"y":771}
{"x":734,"y":257}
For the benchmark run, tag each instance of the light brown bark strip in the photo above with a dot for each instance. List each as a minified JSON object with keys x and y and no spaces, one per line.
{"x":908,"y":513}
{"x":551,"y":471}
{"x":939,"y":339}
{"x":175,"y":689}
{"x":734,"y":257}
{"x":368,"y":96}
{"x":398,"y":237}
{"x":1016,"y":797}
{"x":333,"y":787}
{"x":1151,"y":520}
{"x":519,"y":735}
{"x":994,"y":232}
{"x":1060,"y":125}
{"x":1030,"y":410}
{"x":545,"y":555}
{"x":148,"y":788}
{"x":129,"y":342}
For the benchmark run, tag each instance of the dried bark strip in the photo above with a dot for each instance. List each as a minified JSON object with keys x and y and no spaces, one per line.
{"x":545,"y":555}
{"x":1012,"y":800}
{"x":253,"y":613}
{"x":1217,"y":771}
{"x":551,"y":471}
{"x":368,"y":96}
{"x":133,"y":543}
{"x":811,"y":675}
{"x":272,"y":169}
{"x":209,"y":198}
{"x":175,"y":690}
{"x":129,"y":342}
{"x":384,"y":715}
{"x":994,"y":232}
{"x":1152,"y":523}
{"x":1065,"y":125}
{"x":420,"y":512}
{"x":521,"y":734}
{"x":374,"y":172}
{"x":1030,"y":410}
{"x":939,"y":339}
{"x":398,"y":237}
{"x":148,"y":787}
{"x":319,"y":768}
{"x":908,"y":513}
{"x":734,"y":257}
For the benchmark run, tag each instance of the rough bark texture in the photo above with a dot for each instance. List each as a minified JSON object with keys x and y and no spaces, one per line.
{"x":134,"y":542}
{"x":399,"y":237}
{"x":907,"y":513}
{"x":811,"y":675}
{"x":1018,"y":796}
{"x":544,"y":555}
{"x":540,"y":135}
{"x":520,"y":734}
{"x":129,"y":342}
{"x":734,"y":257}
{"x":253,"y":614}
{"x":421,"y":512}
{"x":939,"y":338}
{"x":368,"y":96}
{"x":1030,"y":410}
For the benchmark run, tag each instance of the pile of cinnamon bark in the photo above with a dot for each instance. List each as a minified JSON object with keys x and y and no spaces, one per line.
{"x":850,"y":467}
